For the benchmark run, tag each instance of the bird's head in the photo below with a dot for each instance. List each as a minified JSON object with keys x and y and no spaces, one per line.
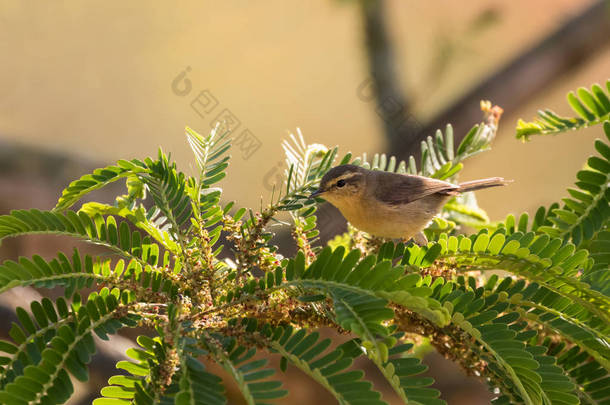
{"x":342,"y":184}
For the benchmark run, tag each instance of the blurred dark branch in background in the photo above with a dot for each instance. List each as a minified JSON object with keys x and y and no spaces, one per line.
{"x":392,"y":103}
{"x":569,"y":47}
{"x":572,"y":45}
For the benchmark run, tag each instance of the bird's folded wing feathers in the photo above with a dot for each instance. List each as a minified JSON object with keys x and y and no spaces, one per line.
{"x":404,"y":188}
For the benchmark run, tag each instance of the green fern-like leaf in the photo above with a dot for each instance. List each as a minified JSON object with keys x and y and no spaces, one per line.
{"x":97,"y":230}
{"x":524,"y":372}
{"x":210,"y":155}
{"x":598,"y":276}
{"x":77,"y":273}
{"x":98,"y":179}
{"x":168,"y":188}
{"x":68,"y":348}
{"x":137,"y":386}
{"x":599,"y":249}
{"x":538,"y":304}
{"x":586,"y":374}
{"x":30,"y":336}
{"x":588,"y":207}
{"x":551,"y":264}
{"x":150,"y":221}
{"x":306,"y":164}
{"x":590,"y":106}
{"x":403,"y":372}
{"x":328,"y":367}
{"x":198,"y":387}
{"x":249,"y":374}
{"x":72,"y":274}
{"x":439,"y":158}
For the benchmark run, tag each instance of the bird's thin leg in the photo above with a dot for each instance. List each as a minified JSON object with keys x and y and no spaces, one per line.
{"x":420,"y":239}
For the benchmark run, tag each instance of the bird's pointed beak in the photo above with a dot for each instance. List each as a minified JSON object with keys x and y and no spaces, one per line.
{"x":316,"y":193}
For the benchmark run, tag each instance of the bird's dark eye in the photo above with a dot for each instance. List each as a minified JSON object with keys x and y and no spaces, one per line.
{"x":341,"y":183}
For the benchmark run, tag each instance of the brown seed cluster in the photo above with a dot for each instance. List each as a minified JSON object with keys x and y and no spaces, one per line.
{"x":251,"y":249}
{"x":450,"y":341}
{"x":303,"y":243}
{"x":166,"y":370}
{"x":366,"y":244}
{"x":439,"y":269}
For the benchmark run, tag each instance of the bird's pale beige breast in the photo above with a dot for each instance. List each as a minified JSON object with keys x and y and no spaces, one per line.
{"x":386,"y":221}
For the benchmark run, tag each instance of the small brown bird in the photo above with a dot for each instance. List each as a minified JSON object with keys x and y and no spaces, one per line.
{"x":391,"y":205}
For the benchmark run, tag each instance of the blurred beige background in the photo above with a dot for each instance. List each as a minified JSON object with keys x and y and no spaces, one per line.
{"x":93,"y":79}
{"x":91,"y":83}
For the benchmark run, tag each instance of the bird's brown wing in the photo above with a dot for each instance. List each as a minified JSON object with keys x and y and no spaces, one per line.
{"x":396,"y":189}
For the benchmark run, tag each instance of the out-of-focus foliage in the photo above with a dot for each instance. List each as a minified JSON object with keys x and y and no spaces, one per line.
{"x":538,"y":336}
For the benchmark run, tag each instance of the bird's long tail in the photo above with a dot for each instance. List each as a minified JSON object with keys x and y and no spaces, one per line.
{"x":483,"y":183}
